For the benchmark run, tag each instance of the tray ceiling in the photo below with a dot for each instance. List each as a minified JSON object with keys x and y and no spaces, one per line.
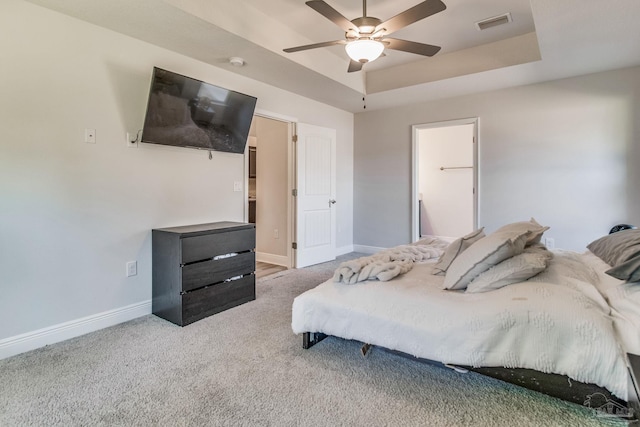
{"x":546,"y":40}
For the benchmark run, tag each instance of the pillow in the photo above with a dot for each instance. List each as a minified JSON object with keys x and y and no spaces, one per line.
{"x":629,"y":270}
{"x":482,"y":255}
{"x":454,"y":249}
{"x":617,"y":248}
{"x":532,"y":226}
{"x":521,"y":267}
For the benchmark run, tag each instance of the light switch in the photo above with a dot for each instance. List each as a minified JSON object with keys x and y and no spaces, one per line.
{"x":237,"y":186}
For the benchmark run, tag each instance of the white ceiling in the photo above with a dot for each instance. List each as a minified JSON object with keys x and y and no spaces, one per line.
{"x":547,"y":40}
{"x":452,"y":29}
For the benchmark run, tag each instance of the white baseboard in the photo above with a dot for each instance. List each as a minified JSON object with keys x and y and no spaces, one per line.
{"x":344,"y":250}
{"x":272,"y":259}
{"x":367,"y":249}
{"x":74,"y":328}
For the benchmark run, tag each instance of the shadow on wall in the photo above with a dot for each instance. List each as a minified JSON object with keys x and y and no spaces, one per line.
{"x":131,"y":91}
{"x":633,"y":158}
{"x":426,"y":229}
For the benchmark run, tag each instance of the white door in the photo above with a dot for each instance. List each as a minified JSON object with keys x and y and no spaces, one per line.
{"x":445,"y":178}
{"x":316,"y":199}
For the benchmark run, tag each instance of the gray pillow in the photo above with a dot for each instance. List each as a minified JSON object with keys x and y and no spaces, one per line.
{"x":617,"y":248}
{"x":513,"y":270}
{"x":628,"y":270}
{"x":536,"y":230}
{"x":454,"y":249}
{"x":482,"y":255}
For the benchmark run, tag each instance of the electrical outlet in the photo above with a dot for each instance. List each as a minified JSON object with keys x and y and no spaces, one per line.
{"x":132,"y":140}
{"x":237,"y":186}
{"x":132,"y":268}
{"x":90,"y":136}
{"x":276,"y":233}
{"x":549,"y":242}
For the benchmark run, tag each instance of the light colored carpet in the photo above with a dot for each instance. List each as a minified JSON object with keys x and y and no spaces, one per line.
{"x":244,"y":367}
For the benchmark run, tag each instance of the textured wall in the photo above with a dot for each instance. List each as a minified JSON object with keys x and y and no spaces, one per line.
{"x":565,"y":152}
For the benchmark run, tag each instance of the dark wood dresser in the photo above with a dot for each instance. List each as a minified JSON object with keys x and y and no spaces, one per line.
{"x":200,"y":270}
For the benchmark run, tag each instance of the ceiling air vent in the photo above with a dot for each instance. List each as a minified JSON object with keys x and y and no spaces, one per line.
{"x":493,"y":22}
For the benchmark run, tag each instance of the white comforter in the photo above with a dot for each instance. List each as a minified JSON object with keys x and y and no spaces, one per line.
{"x":624,"y":300}
{"x":556,"y":323}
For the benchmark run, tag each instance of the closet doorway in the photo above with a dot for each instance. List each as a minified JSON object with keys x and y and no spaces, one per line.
{"x":445,"y":196}
{"x":269,"y":173}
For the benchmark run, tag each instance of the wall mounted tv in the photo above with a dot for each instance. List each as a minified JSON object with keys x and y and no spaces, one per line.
{"x":186,"y":112}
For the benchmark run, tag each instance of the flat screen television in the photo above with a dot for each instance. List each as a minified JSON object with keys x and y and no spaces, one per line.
{"x":186,"y":112}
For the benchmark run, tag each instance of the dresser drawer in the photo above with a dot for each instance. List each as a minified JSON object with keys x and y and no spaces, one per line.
{"x":213,"y":271}
{"x":198,"y":248}
{"x":204,"y":302}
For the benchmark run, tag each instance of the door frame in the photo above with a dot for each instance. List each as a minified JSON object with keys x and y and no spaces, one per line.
{"x":291,"y":179}
{"x":415,"y":173}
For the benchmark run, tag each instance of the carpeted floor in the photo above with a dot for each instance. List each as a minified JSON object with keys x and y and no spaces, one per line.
{"x":244,"y":367}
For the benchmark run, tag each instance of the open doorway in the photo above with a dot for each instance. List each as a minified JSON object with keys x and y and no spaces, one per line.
{"x":269,"y":178}
{"x":444,"y":196}
{"x":291,"y":188}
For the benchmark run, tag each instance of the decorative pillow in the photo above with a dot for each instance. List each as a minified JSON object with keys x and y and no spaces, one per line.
{"x":482,"y":255}
{"x":532,"y":226}
{"x":617,"y":248}
{"x":521,"y":267}
{"x":628,"y":270}
{"x":454,"y":249}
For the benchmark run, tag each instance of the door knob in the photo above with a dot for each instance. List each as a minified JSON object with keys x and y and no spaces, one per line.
{"x":331,"y":202}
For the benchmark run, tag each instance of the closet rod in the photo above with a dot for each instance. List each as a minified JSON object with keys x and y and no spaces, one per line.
{"x":456,"y":167}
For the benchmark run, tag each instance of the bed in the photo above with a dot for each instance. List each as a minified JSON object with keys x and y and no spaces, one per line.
{"x":566,"y":318}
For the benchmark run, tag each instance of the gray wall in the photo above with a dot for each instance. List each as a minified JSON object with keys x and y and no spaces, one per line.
{"x":272,"y":142}
{"x":72,"y":214}
{"x":565,"y":152}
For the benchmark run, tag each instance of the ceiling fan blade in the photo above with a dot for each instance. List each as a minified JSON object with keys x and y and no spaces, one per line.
{"x":332,"y":15}
{"x":354,"y":66}
{"x":314,"y":46}
{"x":409,"y":16}
{"x":411,"y":47}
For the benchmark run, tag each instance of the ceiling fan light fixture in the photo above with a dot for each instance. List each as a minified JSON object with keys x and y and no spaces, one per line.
{"x":364,"y":50}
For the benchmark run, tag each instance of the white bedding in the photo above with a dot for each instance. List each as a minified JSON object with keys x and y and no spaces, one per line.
{"x":557,"y":323}
{"x":624,"y":300}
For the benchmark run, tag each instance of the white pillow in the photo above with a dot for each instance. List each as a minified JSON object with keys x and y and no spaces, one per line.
{"x":454,"y":249}
{"x":482,"y":255}
{"x":536,"y":230}
{"x":515,"y":269}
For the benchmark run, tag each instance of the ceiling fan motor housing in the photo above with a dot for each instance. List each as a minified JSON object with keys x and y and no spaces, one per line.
{"x":366,"y":24}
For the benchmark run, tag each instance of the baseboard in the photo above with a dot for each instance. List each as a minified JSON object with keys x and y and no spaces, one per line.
{"x":74,"y":328}
{"x":367,"y":249}
{"x":344,"y":250}
{"x":272,"y":259}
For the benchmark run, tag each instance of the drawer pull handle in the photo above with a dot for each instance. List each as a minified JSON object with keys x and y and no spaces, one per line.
{"x":232,"y":254}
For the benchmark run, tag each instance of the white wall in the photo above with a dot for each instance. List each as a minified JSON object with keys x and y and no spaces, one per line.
{"x":72,"y":214}
{"x":565,"y":152}
{"x":447,"y":195}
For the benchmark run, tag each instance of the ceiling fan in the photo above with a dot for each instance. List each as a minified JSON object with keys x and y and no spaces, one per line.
{"x":366,"y":37}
